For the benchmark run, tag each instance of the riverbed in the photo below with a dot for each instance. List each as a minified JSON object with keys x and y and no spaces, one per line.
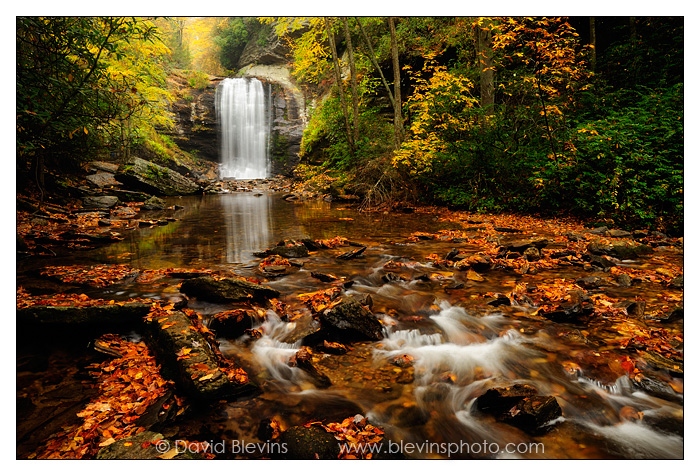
{"x":438,"y":318}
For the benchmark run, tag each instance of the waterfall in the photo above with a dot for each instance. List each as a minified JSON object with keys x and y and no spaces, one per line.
{"x":245,"y":126}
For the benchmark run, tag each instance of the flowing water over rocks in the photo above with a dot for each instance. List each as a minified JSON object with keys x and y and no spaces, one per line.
{"x":462,"y":308}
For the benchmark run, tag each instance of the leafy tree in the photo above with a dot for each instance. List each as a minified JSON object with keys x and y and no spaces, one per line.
{"x":84,"y":83}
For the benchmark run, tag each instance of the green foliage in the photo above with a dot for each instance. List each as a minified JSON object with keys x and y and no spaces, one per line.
{"x":233,"y":35}
{"x":85,"y":83}
{"x":197,"y":79}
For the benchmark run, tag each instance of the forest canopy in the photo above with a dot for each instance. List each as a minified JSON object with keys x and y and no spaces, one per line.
{"x":580,"y":115}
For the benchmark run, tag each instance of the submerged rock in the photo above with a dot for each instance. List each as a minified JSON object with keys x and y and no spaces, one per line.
{"x":226,"y":290}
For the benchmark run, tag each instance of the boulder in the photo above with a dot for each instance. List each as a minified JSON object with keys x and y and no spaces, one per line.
{"x":532,"y":414}
{"x":155,"y":179}
{"x":107,"y":201}
{"x":520,"y":406}
{"x":232,"y":324}
{"x":312,"y":442}
{"x":500,"y":399}
{"x":349,"y":316}
{"x":226,"y":290}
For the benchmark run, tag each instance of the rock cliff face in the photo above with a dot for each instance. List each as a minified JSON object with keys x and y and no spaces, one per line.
{"x":196,"y":126}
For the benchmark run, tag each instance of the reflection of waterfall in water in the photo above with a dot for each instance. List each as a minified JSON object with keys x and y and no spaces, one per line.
{"x":247,"y":219}
{"x":245,"y":126}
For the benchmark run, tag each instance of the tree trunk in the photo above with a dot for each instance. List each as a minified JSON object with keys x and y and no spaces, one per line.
{"x":373,"y":59}
{"x":353,"y":83}
{"x":486,"y":69}
{"x":591,"y":27}
{"x":398,"y":119}
{"x":339,"y":82}
{"x":633,"y":29}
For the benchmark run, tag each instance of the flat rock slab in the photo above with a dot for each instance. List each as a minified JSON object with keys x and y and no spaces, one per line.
{"x":99,"y":316}
{"x":226,"y":290}
{"x":188,"y":359}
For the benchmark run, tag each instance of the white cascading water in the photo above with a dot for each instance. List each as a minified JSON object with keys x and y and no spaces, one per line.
{"x":245,"y":129}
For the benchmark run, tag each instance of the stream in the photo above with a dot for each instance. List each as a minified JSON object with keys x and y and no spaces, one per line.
{"x":457,"y":345}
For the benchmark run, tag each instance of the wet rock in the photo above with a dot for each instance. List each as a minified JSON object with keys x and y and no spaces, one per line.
{"x":351,"y":321}
{"x":499,"y":399}
{"x":187,"y":358}
{"x":290,"y":250}
{"x":501,"y":300}
{"x":532,"y":414}
{"x":303,"y":360}
{"x":520,"y":406}
{"x":154,"y":179}
{"x":624,"y":280}
{"x":656,"y":388}
{"x":335,"y":348}
{"x":590,"y":282}
{"x":479,"y":263}
{"x":226,"y":290}
{"x":531,"y":254}
{"x":562,"y":254}
{"x":503,"y":229}
{"x":673,"y":316}
{"x":232,"y":324}
{"x":391,"y":277}
{"x":568,"y":313}
{"x":325,"y":277}
{"x":676,"y":282}
{"x":352,"y":254}
{"x":153,"y":203}
{"x":313,"y":442}
{"x":107,"y":201}
{"x":634,"y":308}
{"x":599,"y":261}
{"x":520,"y":246}
{"x":622,"y":249}
{"x":658,"y":361}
